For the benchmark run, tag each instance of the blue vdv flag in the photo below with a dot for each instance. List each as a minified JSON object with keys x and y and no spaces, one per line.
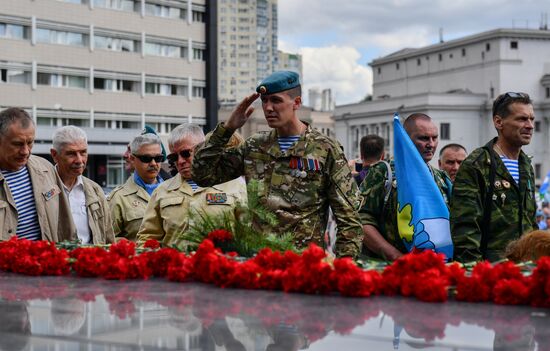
{"x":544,"y":186}
{"x":422,"y":215}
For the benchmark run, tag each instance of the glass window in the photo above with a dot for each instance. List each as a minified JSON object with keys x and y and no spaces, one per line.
{"x":60,"y":37}
{"x":198,"y":16}
{"x":122,"y":5}
{"x":13,"y":31}
{"x":101,"y":124}
{"x":114,"y":44}
{"x":163,"y":50}
{"x":198,"y":92}
{"x":445,"y":133}
{"x":198,"y":54}
{"x":46,"y":121}
{"x":61,"y":81}
{"x":18,"y":76}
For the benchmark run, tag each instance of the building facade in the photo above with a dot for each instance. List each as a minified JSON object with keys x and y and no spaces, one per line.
{"x":109,"y":67}
{"x":290,"y":62}
{"x":455,"y":83}
{"x":247,"y":46}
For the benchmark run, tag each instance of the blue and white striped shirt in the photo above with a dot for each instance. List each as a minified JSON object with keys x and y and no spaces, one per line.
{"x":20,"y":186}
{"x":512,"y":166}
{"x":286,"y":142}
{"x":193,"y":185}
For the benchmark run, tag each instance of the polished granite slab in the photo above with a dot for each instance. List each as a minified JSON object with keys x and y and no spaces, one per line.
{"x":69,"y":313}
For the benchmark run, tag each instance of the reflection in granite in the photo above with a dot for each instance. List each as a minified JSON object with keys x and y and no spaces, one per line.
{"x":66,"y":313}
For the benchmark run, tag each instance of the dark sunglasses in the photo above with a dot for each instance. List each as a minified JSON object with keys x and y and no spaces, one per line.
{"x":173,"y":158}
{"x":509,"y":96}
{"x":148,"y":159}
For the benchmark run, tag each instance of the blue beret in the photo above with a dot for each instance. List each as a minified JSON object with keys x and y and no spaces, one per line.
{"x":279,"y":81}
{"x":151,"y":130}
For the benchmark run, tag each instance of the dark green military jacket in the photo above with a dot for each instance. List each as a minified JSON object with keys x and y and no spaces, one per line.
{"x":298,"y":185}
{"x":383,"y":214}
{"x":513,"y":207}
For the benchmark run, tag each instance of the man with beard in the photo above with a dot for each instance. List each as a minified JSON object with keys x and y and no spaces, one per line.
{"x":493,"y":199}
{"x":89,"y":208}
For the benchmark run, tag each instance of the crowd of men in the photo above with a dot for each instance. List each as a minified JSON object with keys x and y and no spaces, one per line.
{"x":304,"y":178}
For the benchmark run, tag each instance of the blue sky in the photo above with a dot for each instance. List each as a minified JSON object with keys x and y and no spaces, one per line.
{"x":337,"y":39}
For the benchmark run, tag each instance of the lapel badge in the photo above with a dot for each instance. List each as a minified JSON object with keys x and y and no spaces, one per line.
{"x":135,"y":203}
{"x":498,"y":185}
{"x":506,"y":184}
{"x":49,"y":194}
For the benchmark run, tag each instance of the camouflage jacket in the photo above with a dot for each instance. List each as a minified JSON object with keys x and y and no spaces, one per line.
{"x":298,"y":185}
{"x":513,"y":207}
{"x":383,"y":214}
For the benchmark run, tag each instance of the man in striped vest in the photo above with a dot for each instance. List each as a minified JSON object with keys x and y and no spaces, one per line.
{"x":493,"y":199}
{"x":32,"y":204}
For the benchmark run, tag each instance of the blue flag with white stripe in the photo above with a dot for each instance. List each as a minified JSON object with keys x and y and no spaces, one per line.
{"x":422,"y":215}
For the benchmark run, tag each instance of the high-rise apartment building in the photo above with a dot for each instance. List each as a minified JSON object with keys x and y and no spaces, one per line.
{"x":290,"y":62}
{"x":247,"y":46}
{"x":109,"y":67}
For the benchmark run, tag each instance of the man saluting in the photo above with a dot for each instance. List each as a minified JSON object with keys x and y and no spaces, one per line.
{"x":301,"y":171}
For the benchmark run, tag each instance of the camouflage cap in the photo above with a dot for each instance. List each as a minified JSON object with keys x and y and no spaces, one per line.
{"x":279,"y":81}
{"x":150,"y":130}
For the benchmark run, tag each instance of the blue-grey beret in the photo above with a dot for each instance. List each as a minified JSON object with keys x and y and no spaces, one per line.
{"x":279,"y":81}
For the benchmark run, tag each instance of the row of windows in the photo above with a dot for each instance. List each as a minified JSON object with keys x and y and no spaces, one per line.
{"x":162,"y":128}
{"x":513,"y":45}
{"x":150,"y":9}
{"x":61,"y":37}
{"x":59,"y":80}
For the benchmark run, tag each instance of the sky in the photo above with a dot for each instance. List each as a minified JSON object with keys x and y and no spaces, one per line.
{"x":337,"y":39}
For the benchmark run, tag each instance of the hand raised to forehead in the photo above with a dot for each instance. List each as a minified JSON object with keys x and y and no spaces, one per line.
{"x":242,"y":112}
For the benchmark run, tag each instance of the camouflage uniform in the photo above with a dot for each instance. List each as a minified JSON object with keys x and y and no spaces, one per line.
{"x":300,"y":202}
{"x":383,"y":214}
{"x":513,"y":210}
{"x":128,"y":203}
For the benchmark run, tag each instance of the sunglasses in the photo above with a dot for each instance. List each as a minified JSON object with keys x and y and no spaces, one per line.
{"x":148,"y":158}
{"x":173,"y":158}
{"x":509,"y":96}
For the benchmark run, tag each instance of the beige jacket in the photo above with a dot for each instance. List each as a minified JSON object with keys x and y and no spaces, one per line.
{"x":52,"y":205}
{"x":127,"y":203}
{"x":168,"y":212}
{"x":99,"y":213}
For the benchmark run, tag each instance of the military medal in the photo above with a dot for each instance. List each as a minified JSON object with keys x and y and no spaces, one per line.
{"x":303,"y":174}
{"x":506,"y":184}
{"x":498,"y":185}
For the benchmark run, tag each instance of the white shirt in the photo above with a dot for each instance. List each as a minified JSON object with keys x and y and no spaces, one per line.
{"x":77,"y":200}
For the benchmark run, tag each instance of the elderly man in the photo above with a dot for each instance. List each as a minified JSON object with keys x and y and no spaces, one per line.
{"x":128,"y":202}
{"x":91,"y":214}
{"x":493,"y":200}
{"x":379,"y":214}
{"x":451,"y":157}
{"x":174,"y":204}
{"x":302,"y":172}
{"x":32,"y":204}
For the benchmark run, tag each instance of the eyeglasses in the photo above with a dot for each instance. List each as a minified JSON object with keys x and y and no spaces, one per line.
{"x":508,"y":96}
{"x":148,"y":158}
{"x":173,"y":158}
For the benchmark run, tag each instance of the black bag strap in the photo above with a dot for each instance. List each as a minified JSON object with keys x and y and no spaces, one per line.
{"x":488,"y":204}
